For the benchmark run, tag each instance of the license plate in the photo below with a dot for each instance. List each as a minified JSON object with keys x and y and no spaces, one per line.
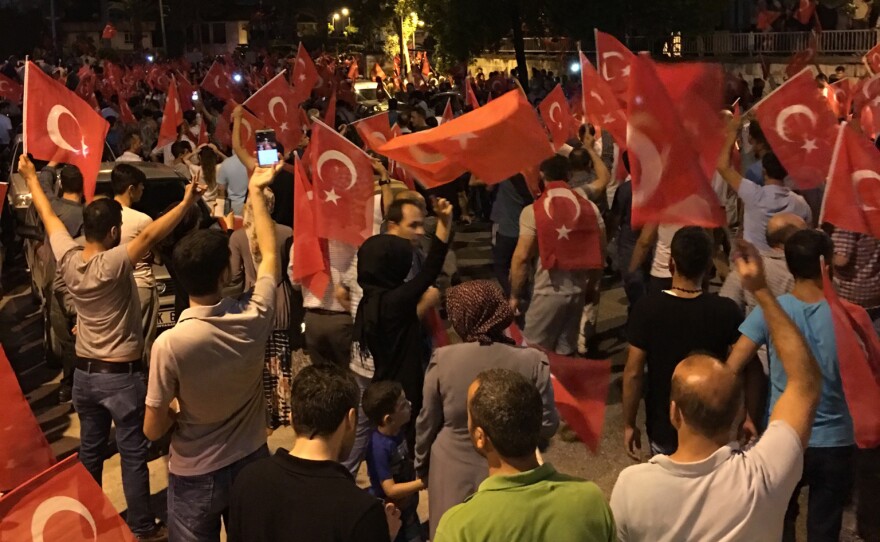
{"x":166,"y":318}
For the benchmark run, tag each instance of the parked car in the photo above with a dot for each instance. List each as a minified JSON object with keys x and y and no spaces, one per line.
{"x":367,"y":95}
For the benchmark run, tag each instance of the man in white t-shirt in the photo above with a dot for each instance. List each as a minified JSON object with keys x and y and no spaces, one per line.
{"x":127,"y":182}
{"x":710,"y":489}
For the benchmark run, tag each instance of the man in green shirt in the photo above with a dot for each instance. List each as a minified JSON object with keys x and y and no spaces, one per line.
{"x":521,"y":499}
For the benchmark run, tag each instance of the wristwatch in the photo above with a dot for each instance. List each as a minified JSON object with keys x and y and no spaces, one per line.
{"x":384,"y":182}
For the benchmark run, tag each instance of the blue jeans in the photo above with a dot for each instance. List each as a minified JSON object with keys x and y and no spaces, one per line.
{"x":100,"y":399}
{"x":363,"y":432}
{"x":197,"y":503}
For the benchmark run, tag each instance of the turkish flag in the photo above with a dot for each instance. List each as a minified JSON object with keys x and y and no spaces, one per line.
{"x":353,"y":70}
{"x":10,"y":90}
{"x":858,"y":355}
{"x":305,"y":75}
{"x":62,"y":503}
{"x":157,"y":78}
{"x":494,"y":142}
{"x":59,"y":126}
{"x":24,"y":450}
{"x":852,"y":195}
{"x":557,"y":117}
{"x":600,"y":104}
{"x":218,"y":82}
{"x":86,"y":87}
{"x":109,"y":32}
{"x":276,"y":104}
{"x":613,"y":60}
{"x":309,"y":259}
{"x":867,"y":93}
{"x":471,"y":96}
{"x":696,"y":91}
{"x":804,"y":58}
{"x":805,"y":11}
{"x":448,"y":115}
{"x":378,"y":72}
{"x":580,"y":390}
{"x":184,"y":91}
{"x":343,"y":187}
{"x":426,"y":66}
{"x":305,"y":123}
{"x":568,"y":230}
{"x":172,"y":117}
{"x":249,"y":126}
{"x":800,"y":128}
{"x":872,"y":59}
{"x":375,"y":131}
{"x":766,"y":18}
{"x":844,"y":93}
{"x":669,"y":186}
{"x":125,"y":114}
{"x":203,"y":132}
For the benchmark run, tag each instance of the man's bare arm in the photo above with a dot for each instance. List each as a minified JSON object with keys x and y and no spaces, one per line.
{"x":50,"y":220}
{"x":263,"y":224}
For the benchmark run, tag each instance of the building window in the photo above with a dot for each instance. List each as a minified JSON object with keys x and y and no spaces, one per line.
{"x":126,"y":36}
{"x":219,"y":33}
{"x":205,"y":36}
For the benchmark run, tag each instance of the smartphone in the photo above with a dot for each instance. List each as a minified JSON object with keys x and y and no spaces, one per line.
{"x":195,"y":96}
{"x":267,"y":148}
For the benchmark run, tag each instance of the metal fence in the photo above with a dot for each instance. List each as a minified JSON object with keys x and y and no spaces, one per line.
{"x":721,"y":44}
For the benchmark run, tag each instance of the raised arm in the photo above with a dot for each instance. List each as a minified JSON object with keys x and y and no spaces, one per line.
{"x":160,"y":228}
{"x":525,"y":251}
{"x":603,"y":176}
{"x":265,"y":228}
{"x":730,"y":175}
{"x":644,"y":244}
{"x":797,"y":405}
{"x":41,"y":202}
{"x":249,"y":161}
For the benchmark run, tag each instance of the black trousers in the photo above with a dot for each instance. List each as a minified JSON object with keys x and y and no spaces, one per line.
{"x":828,"y":472}
{"x":868,"y":493}
{"x":502,"y":255}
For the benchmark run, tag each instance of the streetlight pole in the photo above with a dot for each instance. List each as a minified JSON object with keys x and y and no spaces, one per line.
{"x":162,"y":26}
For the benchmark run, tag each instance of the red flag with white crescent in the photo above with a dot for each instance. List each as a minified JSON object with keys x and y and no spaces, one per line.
{"x":557,"y":117}
{"x":218,"y":81}
{"x":800,"y":128}
{"x":852,"y":195}
{"x":309,"y":258}
{"x":276,"y":104}
{"x":249,"y":126}
{"x":375,"y":131}
{"x":10,"y":90}
{"x":872,"y":59}
{"x":803,"y":58}
{"x":172,"y":117}
{"x":62,"y":503}
{"x":305,"y":74}
{"x":343,"y":183}
{"x":844,"y":93}
{"x":600,"y":103}
{"x":805,"y":11}
{"x":60,"y":126}
{"x":613,"y":61}
{"x":568,"y":229}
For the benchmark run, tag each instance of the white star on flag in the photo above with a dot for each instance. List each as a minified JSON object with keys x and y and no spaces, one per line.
{"x":302,"y":77}
{"x":608,"y":119}
{"x":331,"y":196}
{"x":625,"y":72}
{"x":283,"y":126}
{"x":809,"y":145}
{"x":563,"y":232}
{"x":463,"y":139}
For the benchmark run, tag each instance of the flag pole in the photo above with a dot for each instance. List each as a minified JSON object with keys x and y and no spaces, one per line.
{"x":834,"y":157}
{"x":24,"y":105}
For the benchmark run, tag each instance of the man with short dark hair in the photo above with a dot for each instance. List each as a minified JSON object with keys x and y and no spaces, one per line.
{"x":664,"y":327}
{"x":212,"y":363}
{"x":305,"y":493}
{"x":109,"y":384}
{"x":760,"y":147}
{"x":133,"y":146}
{"x":521,"y":499}
{"x":127,"y":182}
{"x":709,"y":489}
{"x":828,"y":469}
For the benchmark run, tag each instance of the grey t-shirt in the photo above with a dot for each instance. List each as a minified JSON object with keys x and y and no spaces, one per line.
{"x":108,"y":312}
{"x":729,"y":496}
{"x":212,"y":362}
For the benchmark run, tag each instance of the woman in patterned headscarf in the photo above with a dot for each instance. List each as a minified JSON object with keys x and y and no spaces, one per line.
{"x":445,"y":458}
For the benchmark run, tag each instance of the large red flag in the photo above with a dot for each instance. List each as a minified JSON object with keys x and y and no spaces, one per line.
{"x":858,"y":357}
{"x":568,"y":230}
{"x":557,"y":117}
{"x":613,"y":61}
{"x":494,"y":142}
{"x":375,"y":131}
{"x":852,"y":195}
{"x":309,"y":262}
{"x":601,"y":105}
{"x":800,"y":128}
{"x":343,"y":187}
{"x":803,"y":58}
{"x":872,"y":59}
{"x":185,"y":91}
{"x":844,"y":93}
{"x":669,"y":186}
{"x":59,"y":126}
{"x":62,"y":503}
{"x":448,"y":115}
{"x":305,"y":75}
{"x":172,"y":117}
{"x":766,"y":18}
{"x":249,"y":126}
{"x":276,"y":104}
{"x":24,"y":450}
{"x":218,"y":81}
{"x":10,"y":90}
{"x":805,"y":11}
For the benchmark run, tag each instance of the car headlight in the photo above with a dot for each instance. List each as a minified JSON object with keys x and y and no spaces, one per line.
{"x":161,"y":287}
{"x":22,"y":201}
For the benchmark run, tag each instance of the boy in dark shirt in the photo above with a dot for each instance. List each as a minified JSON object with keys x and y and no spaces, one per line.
{"x":389,"y":464}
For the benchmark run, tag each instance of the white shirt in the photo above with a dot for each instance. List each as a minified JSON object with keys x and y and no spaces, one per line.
{"x":663,"y":251}
{"x":133,"y":223}
{"x":730,"y":496}
{"x":129,"y":156}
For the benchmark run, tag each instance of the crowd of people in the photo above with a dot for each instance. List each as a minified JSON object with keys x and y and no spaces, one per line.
{"x":742,"y":390}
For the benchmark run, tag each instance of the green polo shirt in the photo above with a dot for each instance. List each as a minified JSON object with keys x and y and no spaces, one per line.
{"x":535,"y":506}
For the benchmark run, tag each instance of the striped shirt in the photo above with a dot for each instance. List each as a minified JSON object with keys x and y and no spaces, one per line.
{"x":779,"y":280}
{"x":858,"y":281}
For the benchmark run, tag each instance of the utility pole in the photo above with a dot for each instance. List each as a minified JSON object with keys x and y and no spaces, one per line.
{"x":54,"y":32}
{"x":162,"y":26}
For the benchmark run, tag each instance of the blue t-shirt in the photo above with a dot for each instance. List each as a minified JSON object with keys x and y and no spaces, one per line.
{"x":833,"y":425}
{"x":762,"y":202}
{"x":755,"y":173}
{"x":234,"y":176}
{"x":388,"y":459}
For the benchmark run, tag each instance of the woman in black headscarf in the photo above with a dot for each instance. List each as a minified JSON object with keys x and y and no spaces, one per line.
{"x":387,"y":326}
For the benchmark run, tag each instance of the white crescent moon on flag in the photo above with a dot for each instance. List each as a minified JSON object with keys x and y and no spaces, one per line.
{"x":562,"y":193}
{"x":425,"y":158}
{"x":217,"y":81}
{"x":4,"y":85}
{"x":339,"y":157}
{"x":797,"y":109}
{"x":605,"y":57}
{"x":862,"y":175}
{"x":52,"y":506}
{"x":379,"y":137}
{"x":650,"y":163}
{"x":250,"y":130}
{"x":597,"y":97}
{"x":272,"y":103}
{"x":554,"y":107}
{"x":52,"y":120}
{"x":867,"y":86}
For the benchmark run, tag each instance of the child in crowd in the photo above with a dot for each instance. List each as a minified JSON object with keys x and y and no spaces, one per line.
{"x":389,"y":463}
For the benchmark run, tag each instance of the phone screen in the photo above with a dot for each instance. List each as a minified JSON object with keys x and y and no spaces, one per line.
{"x":267,"y":148}
{"x":195,"y":96}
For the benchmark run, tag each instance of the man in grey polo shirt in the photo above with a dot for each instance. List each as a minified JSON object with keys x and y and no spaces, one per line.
{"x":212,"y":363}
{"x":109,"y":383}
{"x":710,"y":489}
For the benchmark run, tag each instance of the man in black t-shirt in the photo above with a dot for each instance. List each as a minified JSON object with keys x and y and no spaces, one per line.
{"x":664,"y":328}
{"x":305,"y":493}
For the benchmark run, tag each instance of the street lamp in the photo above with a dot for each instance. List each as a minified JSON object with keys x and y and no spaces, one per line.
{"x":335,"y":18}
{"x":347,"y":13}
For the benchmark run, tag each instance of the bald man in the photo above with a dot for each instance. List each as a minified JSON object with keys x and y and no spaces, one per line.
{"x":710,"y":489}
{"x":779,"y":229}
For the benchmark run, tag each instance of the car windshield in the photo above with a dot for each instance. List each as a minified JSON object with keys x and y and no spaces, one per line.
{"x":368,"y":94}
